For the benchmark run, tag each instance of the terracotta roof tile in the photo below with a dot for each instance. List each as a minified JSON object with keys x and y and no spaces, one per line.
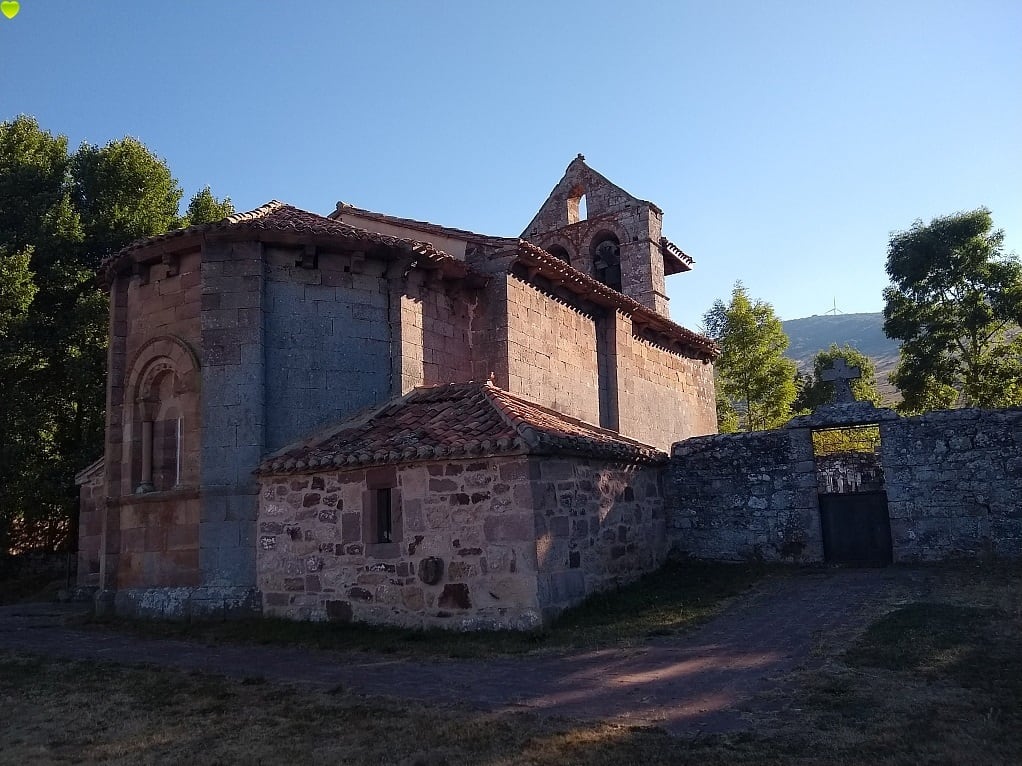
{"x":455,"y":420}
{"x":279,"y":217}
{"x":424,"y":226}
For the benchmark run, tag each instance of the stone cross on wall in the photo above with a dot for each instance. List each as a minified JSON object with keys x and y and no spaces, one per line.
{"x":840,"y":374}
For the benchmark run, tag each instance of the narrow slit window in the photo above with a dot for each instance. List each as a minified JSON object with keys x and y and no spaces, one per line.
{"x":384,"y":516}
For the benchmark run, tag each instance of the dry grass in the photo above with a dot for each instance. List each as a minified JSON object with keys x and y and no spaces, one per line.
{"x":936,"y":680}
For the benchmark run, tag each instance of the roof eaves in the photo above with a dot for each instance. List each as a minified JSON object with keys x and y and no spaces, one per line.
{"x":411,"y":223}
{"x":675,"y":259}
{"x":568,"y":276}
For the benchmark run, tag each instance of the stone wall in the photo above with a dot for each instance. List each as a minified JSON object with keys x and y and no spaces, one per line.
{"x":552,"y":352}
{"x":954,"y":483}
{"x":518,"y":540}
{"x":327,"y":343}
{"x":598,"y":526}
{"x":748,"y":496}
{"x":154,"y":332}
{"x":435,"y":331}
{"x":681,"y":387}
{"x":163,"y":300}
{"x":234,"y":395}
{"x":91,"y":512}
{"x":314,"y":561}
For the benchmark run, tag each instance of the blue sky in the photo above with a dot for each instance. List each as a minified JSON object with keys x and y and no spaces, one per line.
{"x":784,"y":141}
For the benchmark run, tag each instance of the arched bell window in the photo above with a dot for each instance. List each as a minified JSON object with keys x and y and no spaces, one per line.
{"x":606,"y":251}
{"x":559,"y":251}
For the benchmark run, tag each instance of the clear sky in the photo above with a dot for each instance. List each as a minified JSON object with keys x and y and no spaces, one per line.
{"x":784,"y":141}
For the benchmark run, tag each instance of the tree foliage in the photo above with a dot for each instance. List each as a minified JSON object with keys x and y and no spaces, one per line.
{"x":955,"y":301}
{"x":61,"y":213}
{"x":205,"y":208}
{"x":813,"y":390}
{"x":755,"y":382}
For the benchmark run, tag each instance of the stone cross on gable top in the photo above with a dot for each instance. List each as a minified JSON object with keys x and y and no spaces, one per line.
{"x":840,"y":374}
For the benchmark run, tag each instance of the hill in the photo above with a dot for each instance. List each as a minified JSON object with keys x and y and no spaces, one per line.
{"x":863,"y":331}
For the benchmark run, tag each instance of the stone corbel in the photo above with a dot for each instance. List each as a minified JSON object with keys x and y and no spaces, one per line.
{"x":139,"y":273}
{"x":309,"y":259}
{"x":173,"y":264}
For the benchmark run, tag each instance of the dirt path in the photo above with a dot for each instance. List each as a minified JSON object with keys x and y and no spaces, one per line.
{"x":700,"y":682}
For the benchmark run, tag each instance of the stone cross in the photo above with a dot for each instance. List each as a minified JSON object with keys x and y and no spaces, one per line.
{"x":840,"y":374}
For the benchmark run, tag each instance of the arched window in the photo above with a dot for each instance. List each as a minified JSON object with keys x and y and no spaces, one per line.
{"x":164,"y":413}
{"x":560,"y":252}
{"x":577,"y":205}
{"x":159,"y":456}
{"x":606,"y":251}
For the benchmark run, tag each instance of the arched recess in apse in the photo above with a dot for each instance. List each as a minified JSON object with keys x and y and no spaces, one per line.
{"x":162,"y":425}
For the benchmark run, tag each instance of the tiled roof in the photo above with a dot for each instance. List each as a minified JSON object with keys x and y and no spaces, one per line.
{"x":455,"y":420}
{"x":563,"y":274}
{"x":676,"y":260}
{"x":424,"y":226}
{"x":279,"y":217}
{"x":90,"y":472}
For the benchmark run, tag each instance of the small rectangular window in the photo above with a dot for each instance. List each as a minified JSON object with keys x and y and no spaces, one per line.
{"x":384,"y":516}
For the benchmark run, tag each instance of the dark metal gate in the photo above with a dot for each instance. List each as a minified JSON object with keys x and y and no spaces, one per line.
{"x":856,"y":528}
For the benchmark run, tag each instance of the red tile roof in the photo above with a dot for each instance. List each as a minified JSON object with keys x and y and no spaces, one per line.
{"x":455,"y":420}
{"x":423,"y":226}
{"x":279,"y":218}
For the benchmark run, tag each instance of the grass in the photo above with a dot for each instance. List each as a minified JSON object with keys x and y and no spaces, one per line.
{"x":680,"y":595}
{"x":935,"y":679}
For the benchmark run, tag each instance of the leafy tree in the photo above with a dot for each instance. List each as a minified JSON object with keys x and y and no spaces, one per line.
{"x":813,"y":390}
{"x":60,"y":215}
{"x":122,"y":192}
{"x":754,"y":379}
{"x":205,"y":208}
{"x":956,"y":303}
{"x":17,"y":289}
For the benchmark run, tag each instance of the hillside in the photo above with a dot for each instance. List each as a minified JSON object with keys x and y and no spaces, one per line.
{"x":863,"y":331}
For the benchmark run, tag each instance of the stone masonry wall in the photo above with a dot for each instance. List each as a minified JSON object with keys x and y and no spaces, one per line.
{"x":471,"y":515}
{"x":519,"y":540}
{"x":160,"y":304}
{"x":954,"y":483}
{"x":91,"y":510}
{"x":327,"y":343}
{"x":663,"y":396}
{"x":746,"y":496}
{"x":552,"y":353}
{"x":150,"y":540}
{"x":598,"y":526}
{"x":234,"y":396}
{"x":435,"y":331}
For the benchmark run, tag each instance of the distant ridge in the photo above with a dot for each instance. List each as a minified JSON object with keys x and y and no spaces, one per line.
{"x":810,"y":335}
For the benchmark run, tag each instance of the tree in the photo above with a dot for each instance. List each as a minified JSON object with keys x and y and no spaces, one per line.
{"x":813,"y":390}
{"x":956,"y":303}
{"x":60,"y":215}
{"x":205,"y":208}
{"x":754,"y":379}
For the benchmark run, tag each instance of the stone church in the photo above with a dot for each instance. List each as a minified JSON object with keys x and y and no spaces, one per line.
{"x":364,"y":417}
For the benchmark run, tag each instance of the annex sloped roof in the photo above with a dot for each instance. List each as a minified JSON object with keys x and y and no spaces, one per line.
{"x":280,"y":218}
{"x":454,"y":420}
